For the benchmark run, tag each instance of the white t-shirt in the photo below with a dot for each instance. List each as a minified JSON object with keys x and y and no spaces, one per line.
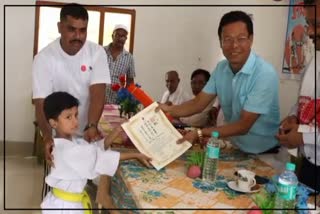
{"x":54,"y":70}
{"x":76,"y":161}
{"x":177,"y":97}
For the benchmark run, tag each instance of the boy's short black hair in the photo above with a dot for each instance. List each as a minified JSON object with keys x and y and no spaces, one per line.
{"x":236,"y":16}
{"x":200,"y":71}
{"x":74,"y":10}
{"x":56,"y":102}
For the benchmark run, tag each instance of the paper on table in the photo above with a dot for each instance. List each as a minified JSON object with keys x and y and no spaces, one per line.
{"x":153,"y":135}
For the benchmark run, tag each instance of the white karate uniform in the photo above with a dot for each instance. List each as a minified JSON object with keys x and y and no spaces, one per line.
{"x":74,"y":162}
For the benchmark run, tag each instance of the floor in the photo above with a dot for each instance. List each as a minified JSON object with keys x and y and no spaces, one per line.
{"x":23,"y":179}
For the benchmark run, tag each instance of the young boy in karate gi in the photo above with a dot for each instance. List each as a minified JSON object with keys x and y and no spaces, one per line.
{"x":75,"y":160}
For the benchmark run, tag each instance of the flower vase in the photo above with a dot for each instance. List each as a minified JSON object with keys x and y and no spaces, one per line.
{"x":120,"y":112}
{"x":129,"y":114}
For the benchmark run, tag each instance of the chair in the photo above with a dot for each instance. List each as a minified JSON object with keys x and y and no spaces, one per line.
{"x":38,"y":144}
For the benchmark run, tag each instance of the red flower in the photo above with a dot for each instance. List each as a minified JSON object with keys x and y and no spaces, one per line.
{"x":122,"y":78}
{"x":115,"y":87}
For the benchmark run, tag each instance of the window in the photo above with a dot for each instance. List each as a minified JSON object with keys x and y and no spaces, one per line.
{"x":101,"y":23}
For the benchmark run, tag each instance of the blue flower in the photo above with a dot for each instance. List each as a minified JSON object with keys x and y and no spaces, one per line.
{"x":123,"y":93}
{"x":220,"y":184}
{"x":127,"y":102}
{"x":203,"y":186}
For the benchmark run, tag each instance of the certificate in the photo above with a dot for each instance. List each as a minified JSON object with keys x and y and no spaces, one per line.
{"x":153,"y":135}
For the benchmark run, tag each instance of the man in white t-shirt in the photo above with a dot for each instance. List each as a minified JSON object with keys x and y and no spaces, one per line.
{"x":74,"y":65}
{"x":175,"y":95}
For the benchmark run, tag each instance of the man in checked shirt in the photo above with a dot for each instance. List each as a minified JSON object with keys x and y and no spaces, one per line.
{"x":120,"y":61}
{"x":298,"y":129}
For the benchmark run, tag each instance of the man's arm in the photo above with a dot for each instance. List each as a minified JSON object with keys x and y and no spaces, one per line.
{"x":97,"y":97}
{"x":44,"y":128}
{"x":132,"y":72}
{"x":193,"y":106}
{"x":240,"y":127}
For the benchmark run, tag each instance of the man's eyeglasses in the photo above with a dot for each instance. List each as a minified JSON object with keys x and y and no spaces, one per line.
{"x":228,"y":41}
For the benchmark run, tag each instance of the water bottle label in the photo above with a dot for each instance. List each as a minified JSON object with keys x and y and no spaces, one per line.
{"x":213,"y":152}
{"x":287,"y":192}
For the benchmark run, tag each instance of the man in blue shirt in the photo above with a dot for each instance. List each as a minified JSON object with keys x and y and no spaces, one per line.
{"x":247,"y":87}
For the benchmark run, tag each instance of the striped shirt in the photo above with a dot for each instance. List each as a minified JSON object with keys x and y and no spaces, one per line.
{"x":124,"y":64}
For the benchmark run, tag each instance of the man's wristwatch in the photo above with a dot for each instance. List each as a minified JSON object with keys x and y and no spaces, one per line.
{"x":200,"y":135}
{"x":90,"y":125}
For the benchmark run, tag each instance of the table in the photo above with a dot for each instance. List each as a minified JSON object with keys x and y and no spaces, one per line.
{"x":135,"y":186}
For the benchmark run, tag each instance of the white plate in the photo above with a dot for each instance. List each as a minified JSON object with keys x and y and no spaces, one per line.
{"x":233,"y":185}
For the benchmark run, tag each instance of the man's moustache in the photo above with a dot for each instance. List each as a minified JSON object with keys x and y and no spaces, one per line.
{"x":79,"y":41}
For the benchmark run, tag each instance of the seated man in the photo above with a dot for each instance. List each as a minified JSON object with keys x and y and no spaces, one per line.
{"x":175,"y":95}
{"x":199,"y":78}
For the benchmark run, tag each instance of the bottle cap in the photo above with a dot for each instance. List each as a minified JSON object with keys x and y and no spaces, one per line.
{"x":215,"y":134}
{"x":290,"y":166}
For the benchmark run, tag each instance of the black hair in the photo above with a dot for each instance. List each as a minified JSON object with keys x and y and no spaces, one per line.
{"x":56,"y":102}
{"x":74,"y":10}
{"x":235,"y":16}
{"x":200,"y":71}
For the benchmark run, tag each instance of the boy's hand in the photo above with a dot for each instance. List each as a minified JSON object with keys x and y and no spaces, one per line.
{"x":143,"y":159}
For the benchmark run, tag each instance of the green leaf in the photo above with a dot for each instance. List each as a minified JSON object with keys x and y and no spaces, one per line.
{"x":264,"y":200}
{"x":195,"y":158}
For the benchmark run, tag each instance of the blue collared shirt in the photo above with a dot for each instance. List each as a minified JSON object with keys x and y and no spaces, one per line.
{"x":255,"y":88}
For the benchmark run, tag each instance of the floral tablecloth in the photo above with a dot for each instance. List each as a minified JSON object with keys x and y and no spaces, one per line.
{"x":135,"y":186}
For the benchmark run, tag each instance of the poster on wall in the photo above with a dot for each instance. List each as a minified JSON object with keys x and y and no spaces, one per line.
{"x":298,"y":47}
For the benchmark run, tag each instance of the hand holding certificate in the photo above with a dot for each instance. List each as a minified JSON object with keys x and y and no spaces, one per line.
{"x":153,"y":135}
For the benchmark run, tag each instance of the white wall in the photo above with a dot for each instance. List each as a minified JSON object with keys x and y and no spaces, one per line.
{"x":181,"y":38}
{"x":1,"y":75}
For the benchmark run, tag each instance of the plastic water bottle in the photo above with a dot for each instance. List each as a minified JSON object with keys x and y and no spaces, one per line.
{"x":286,"y":190}
{"x":211,"y":159}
